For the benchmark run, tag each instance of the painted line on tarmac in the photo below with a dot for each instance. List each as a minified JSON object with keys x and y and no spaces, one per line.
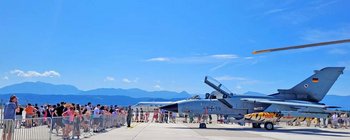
{"x":141,"y":131}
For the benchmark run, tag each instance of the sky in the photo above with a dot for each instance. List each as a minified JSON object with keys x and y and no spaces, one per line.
{"x":172,"y":44}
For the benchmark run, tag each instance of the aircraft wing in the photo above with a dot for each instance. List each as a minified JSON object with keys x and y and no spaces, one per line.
{"x":286,"y":103}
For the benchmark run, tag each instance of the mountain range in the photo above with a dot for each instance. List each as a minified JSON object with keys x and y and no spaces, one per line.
{"x":42,"y":88}
{"x":40,"y":92}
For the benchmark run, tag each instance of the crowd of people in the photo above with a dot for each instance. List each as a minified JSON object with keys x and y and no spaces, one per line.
{"x":334,"y":120}
{"x":68,"y":118}
{"x":157,"y":115}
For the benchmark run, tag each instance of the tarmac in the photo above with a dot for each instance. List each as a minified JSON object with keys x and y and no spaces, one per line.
{"x":183,"y":131}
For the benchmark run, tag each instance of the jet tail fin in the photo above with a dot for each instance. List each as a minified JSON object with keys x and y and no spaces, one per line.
{"x":315,"y":87}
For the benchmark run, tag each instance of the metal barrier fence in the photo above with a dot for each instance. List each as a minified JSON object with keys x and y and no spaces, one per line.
{"x":58,"y":127}
{"x":31,"y":129}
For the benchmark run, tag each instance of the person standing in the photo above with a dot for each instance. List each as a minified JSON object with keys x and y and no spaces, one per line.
{"x":166,"y":116}
{"x":334,"y":120}
{"x":30,"y":112}
{"x":88,"y":107}
{"x":344,"y":118}
{"x":9,"y":118}
{"x":318,"y":122}
{"x":19,"y":117}
{"x":137,"y":115}
{"x":155,"y":115}
{"x":141,"y":115}
{"x":129,"y":117}
{"x":97,"y":120}
{"x":324,"y":121}
{"x":205,"y":116}
{"x":147,"y":116}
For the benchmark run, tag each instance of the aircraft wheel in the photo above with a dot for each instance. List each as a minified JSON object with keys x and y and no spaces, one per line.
{"x":269,"y":126}
{"x":256,"y":125}
{"x":202,"y":125}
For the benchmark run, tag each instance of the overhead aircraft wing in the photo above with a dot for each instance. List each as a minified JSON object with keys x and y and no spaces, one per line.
{"x":303,"y":46}
{"x":286,"y":102}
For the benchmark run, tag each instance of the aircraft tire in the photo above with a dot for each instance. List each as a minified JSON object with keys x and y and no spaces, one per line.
{"x":269,"y":126}
{"x":202,"y":125}
{"x":256,"y":125}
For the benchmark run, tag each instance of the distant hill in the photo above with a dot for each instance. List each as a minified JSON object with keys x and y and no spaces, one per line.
{"x":41,"y":88}
{"x":25,"y":98}
{"x":137,"y":93}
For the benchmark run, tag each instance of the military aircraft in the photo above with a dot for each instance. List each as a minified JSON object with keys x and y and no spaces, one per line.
{"x":295,"y":104}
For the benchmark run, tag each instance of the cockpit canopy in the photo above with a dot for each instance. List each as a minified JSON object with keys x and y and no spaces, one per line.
{"x":218,"y":87}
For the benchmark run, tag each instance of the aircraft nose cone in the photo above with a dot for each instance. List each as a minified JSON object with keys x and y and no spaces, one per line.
{"x":171,"y":107}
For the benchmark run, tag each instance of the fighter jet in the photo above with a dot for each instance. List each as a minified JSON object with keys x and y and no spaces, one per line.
{"x":294,"y":104}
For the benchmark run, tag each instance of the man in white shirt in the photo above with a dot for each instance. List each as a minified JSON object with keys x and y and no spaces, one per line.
{"x":334,"y":120}
{"x":88,"y":107}
{"x":96,"y":117}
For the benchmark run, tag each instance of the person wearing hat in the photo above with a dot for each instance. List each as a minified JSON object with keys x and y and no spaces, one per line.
{"x":9,"y":117}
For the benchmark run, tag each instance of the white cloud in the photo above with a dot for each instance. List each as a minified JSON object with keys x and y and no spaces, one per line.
{"x":5,"y":78}
{"x":128,"y":81}
{"x":224,"y":56}
{"x":219,"y":66}
{"x":157,"y":87}
{"x":136,"y":80}
{"x":324,"y":4}
{"x":230,"y":78}
{"x":250,"y":82}
{"x":273,"y":11}
{"x":289,"y":12}
{"x":30,"y":74}
{"x":317,"y":35}
{"x":248,"y":58}
{"x":220,"y":60}
{"x":195,"y":59}
{"x":158,"y":59}
{"x":109,"y":78}
{"x":238,"y":80}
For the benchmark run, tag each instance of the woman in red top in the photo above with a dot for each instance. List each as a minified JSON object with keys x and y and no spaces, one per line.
{"x":155,"y":115}
{"x":68,"y":118}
